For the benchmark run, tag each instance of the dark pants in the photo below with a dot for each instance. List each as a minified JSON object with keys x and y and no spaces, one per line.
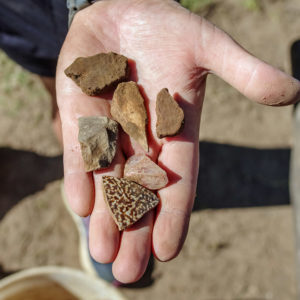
{"x":32,"y":32}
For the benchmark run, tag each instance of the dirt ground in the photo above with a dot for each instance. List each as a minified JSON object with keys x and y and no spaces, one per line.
{"x":241,"y":240}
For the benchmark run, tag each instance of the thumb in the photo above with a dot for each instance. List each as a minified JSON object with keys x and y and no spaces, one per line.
{"x":257,"y":80}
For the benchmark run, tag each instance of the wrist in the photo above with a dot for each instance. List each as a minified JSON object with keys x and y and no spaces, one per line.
{"x":76,"y":5}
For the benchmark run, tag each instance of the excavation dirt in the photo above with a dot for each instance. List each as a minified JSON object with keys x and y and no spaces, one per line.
{"x":241,"y":240}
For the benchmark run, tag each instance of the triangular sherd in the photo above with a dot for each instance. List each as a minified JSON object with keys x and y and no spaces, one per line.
{"x":127,"y":200}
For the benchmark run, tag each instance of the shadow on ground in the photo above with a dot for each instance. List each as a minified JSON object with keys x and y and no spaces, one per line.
{"x":231,"y":176}
{"x":23,"y":173}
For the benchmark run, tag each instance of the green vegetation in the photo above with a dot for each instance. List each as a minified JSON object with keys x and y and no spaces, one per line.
{"x":253,"y":5}
{"x":18,"y":88}
{"x":199,"y":5}
{"x":196,"y":5}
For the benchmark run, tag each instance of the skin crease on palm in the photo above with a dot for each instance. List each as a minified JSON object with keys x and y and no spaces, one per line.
{"x":172,"y":48}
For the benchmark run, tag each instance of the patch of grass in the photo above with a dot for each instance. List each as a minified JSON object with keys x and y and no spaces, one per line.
{"x":19,"y":89}
{"x":196,"y":5}
{"x":253,"y":5}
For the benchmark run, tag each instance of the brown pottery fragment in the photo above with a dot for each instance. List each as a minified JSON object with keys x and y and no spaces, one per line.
{"x":128,"y":109}
{"x":99,"y":73}
{"x":170,"y":117}
{"x":98,"y":141}
{"x":127,"y":200}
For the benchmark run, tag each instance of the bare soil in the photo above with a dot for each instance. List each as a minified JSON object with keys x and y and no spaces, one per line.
{"x":241,"y":241}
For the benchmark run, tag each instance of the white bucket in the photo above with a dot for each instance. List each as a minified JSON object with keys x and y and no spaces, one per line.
{"x":59,"y":283}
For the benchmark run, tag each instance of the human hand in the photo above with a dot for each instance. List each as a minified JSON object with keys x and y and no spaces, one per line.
{"x":171,"y":48}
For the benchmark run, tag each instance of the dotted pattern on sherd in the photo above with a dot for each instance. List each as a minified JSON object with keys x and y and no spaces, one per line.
{"x":127,"y":200}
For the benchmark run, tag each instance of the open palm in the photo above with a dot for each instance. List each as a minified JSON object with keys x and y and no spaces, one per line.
{"x":169,"y":48}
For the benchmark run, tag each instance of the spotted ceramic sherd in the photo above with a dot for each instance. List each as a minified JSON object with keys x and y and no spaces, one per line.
{"x":127,"y":200}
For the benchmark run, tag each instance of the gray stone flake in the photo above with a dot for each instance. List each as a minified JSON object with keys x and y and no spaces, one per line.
{"x":98,"y":141}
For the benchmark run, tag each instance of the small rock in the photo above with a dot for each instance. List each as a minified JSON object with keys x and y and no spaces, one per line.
{"x":170,"y":117}
{"x":99,"y":73}
{"x":128,"y":109}
{"x":98,"y":140}
{"x":142,"y":170}
{"x":127,"y":200}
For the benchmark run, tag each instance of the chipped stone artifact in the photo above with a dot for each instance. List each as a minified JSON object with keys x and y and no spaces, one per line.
{"x":99,"y":73}
{"x":127,"y":200}
{"x":98,"y":141}
{"x":142,"y":170}
{"x":128,"y":109}
{"x":170,"y":117}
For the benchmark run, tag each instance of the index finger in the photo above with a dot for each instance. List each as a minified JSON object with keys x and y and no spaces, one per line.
{"x":179,"y":157}
{"x":173,"y":214}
